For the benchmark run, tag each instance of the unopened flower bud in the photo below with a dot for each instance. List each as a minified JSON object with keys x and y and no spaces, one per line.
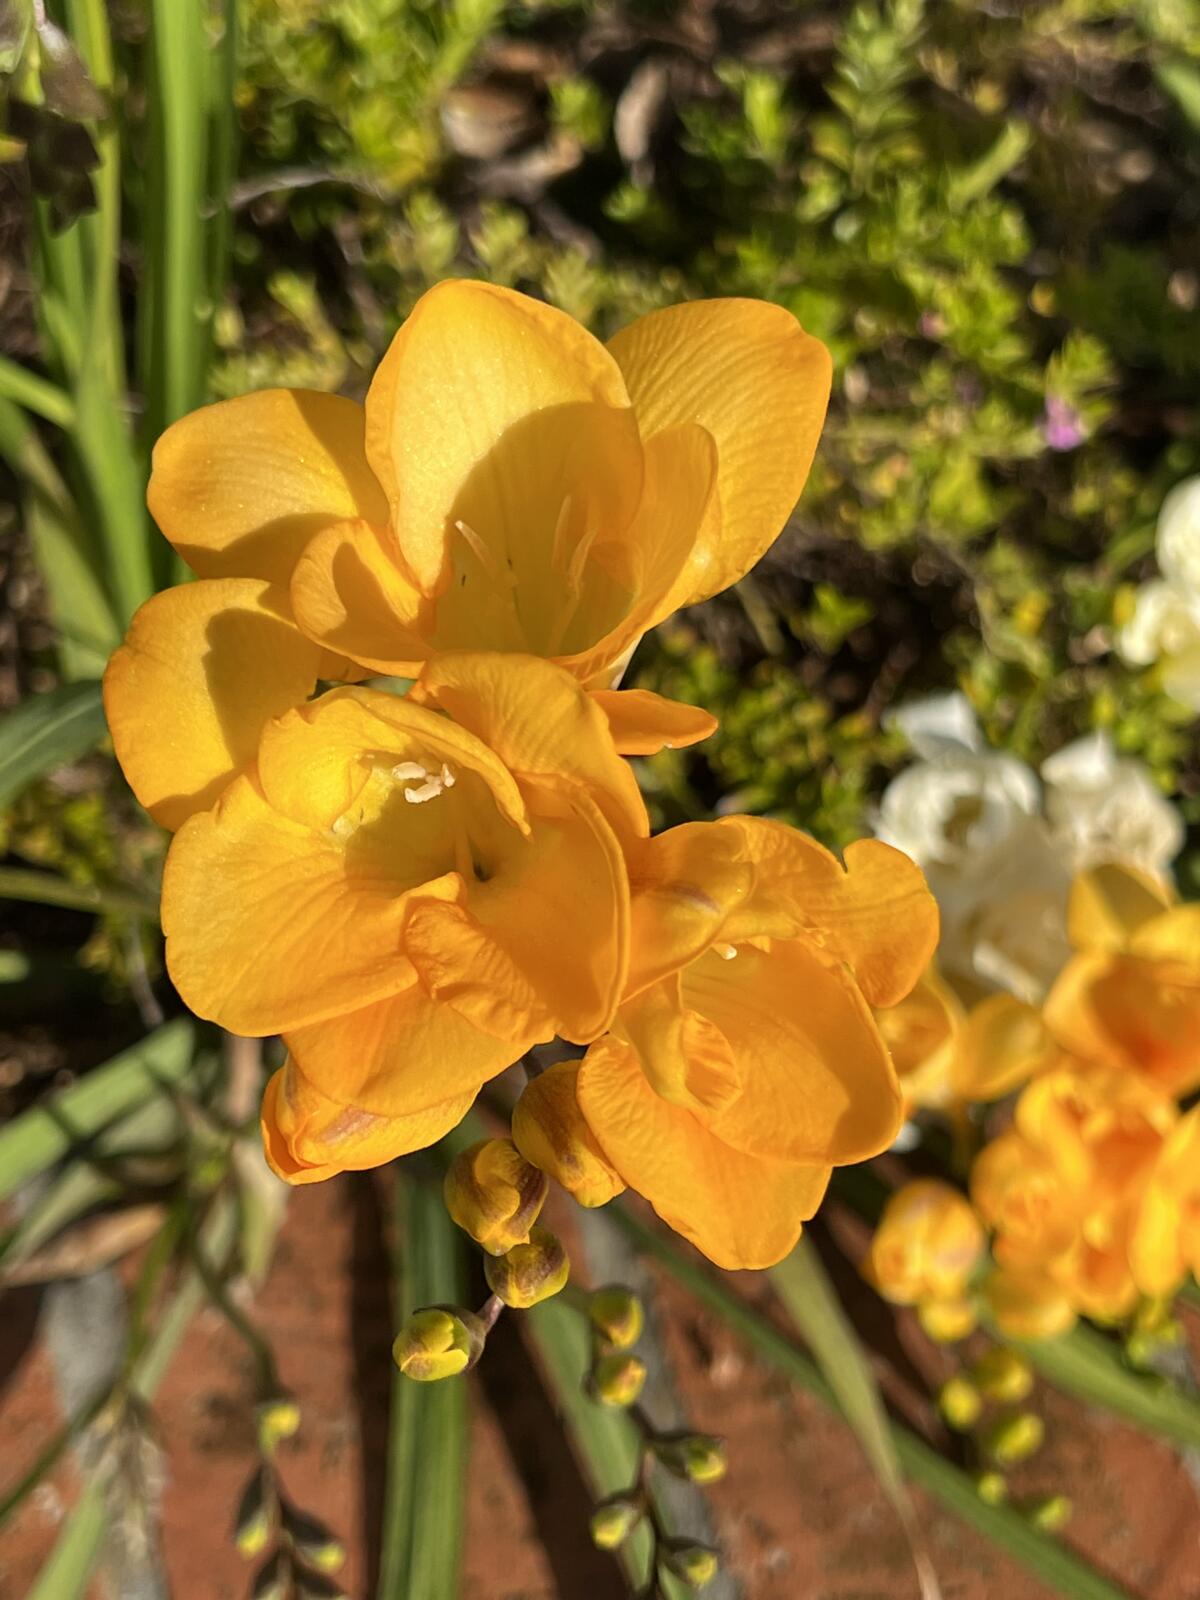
{"x":693,"y":1564}
{"x":277,"y":1419}
{"x":991,"y":1487}
{"x":1003,"y":1375}
{"x":313,"y":1541}
{"x":316,"y":1586}
{"x":960,"y":1403}
{"x":1014,"y":1439}
{"x":947,"y":1321}
{"x":614,"y":1520}
{"x":618,"y":1378}
{"x":550,"y":1130}
{"x":617,"y":1315}
{"x":698,"y":1456}
{"x":1051,"y":1513}
{"x":494,"y":1194}
{"x":273,"y":1579}
{"x":439,"y":1342}
{"x":529,"y":1272}
{"x":256,"y":1514}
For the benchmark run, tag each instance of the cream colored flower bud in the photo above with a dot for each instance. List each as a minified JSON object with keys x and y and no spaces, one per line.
{"x":549,"y":1130}
{"x":439,"y":1342}
{"x":494,"y":1194}
{"x":529,"y":1272}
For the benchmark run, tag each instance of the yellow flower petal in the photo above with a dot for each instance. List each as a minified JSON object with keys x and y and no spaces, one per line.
{"x":1131,"y":1014}
{"x":1003,"y":1042}
{"x":348,"y":591}
{"x":817,"y":1083}
{"x":490,"y":408}
{"x":202,"y":670}
{"x":686,"y":883}
{"x":240,"y":487}
{"x":550,"y":1130}
{"x":741,"y":1211}
{"x":1028,"y":1305}
{"x":540,"y":722}
{"x":1165,"y":1245}
{"x":1109,"y":902}
{"x":760,"y":385}
{"x":643,"y":723}
{"x":308,"y":1137}
{"x":395,"y":1057}
{"x":463,"y":967}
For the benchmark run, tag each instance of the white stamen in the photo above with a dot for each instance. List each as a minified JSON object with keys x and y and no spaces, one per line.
{"x":409,"y":769}
{"x":429,"y":790}
{"x":726,"y":951}
{"x":448,"y":778}
{"x":484,"y":556}
{"x":344,"y":826}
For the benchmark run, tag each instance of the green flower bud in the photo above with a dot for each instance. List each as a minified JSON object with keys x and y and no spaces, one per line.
{"x":618,"y":1378}
{"x":1003,"y":1375}
{"x":693,"y":1564}
{"x":614,"y":1520}
{"x":1051,"y":1513}
{"x":1015,"y":1438}
{"x":439,"y":1342}
{"x":277,"y":1419}
{"x":529,"y":1273}
{"x":960,"y":1403}
{"x":495,"y":1195}
{"x":617,"y":1315}
{"x":313,"y":1541}
{"x":316,"y":1586}
{"x":698,"y":1456}
{"x":991,"y":1487}
{"x":256,"y":1514}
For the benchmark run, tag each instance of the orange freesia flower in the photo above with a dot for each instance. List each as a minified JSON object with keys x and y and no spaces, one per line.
{"x":1166,"y":1241}
{"x":744,"y":1062}
{"x":1130,"y":997}
{"x":1062,"y":1191}
{"x":926,"y":1249}
{"x":511,"y":484}
{"x":412,"y":891}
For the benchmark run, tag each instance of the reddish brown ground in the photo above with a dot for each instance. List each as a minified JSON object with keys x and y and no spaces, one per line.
{"x":799,"y":1515}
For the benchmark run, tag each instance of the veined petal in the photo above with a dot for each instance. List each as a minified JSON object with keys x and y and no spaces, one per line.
{"x":642,"y":723}
{"x":817,"y":1083}
{"x":240,"y":487}
{"x":475,"y":381}
{"x":742,"y":1211}
{"x":269,"y":926}
{"x":349,"y":592}
{"x":394,"y":1058}
{"x":540,"y":722}
{"x":687,"y":1058}
{"x":875,"y":913}
{"x":202,"y":670}
{"x":749,"y":374}
{"x":685,"y":883}
{"x":461,"y":966}
{"x":308,"y":1137}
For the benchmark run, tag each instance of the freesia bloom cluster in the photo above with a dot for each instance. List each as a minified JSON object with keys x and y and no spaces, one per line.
{"x":384,"y":725}
{"x":1165,"y":626}
{"x":1089,"y":1186}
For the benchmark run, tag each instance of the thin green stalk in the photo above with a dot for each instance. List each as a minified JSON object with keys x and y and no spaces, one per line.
{"x":35,"y":393}
{"x":1049,"y":1561}
{"x":44,"y":889}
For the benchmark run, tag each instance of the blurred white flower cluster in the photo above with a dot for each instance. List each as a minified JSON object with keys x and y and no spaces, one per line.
{"x":999,"y":846}
{"x":1165,"y":626}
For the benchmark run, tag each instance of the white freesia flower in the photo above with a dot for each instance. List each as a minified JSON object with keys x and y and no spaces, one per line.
{"x":1165,"y":625}
{"x":998,"y":857}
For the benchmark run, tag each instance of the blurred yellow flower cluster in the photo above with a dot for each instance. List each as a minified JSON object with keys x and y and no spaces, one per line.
{"x":384,"y":725}
{"x":1089,"y":1185}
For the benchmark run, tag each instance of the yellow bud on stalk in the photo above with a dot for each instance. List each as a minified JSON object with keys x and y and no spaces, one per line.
{"x":694,"y":1564}
{"x":617,"y":1315}
{"x":614,"y":1520}
{"x":494,"y":1194}
{"x":960,"y":1403}
{"x":313,"y":1541}
{"x":618,"y":1379}
{"x":1003,"y":1375}
{"x":1014,"y":1439}
{"x":439,"y":1342}
{"x":698,"y":1456}
{"x":1051,"y":1513}
{"x":991,"y":1487}
{"x":947,"y":1321}
{"x":549,"y":1130}
{"x":273,"y":1579}
{"x":256,"y":1514}
{"x":529,"y":1273}
{"x":316,"y":1586}
{"x":277,"y":1419}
